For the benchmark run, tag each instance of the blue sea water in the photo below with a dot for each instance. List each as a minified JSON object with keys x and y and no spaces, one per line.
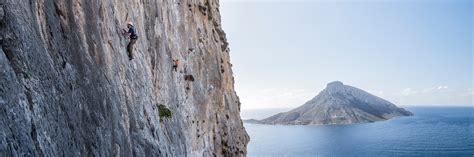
{"x":433,"y":131}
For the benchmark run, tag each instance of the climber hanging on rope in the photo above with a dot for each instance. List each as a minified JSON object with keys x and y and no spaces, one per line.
{"x":175,"y":65}
{"x":132,"y":34}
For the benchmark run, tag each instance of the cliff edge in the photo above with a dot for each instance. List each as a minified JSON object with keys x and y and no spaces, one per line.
{"x":68,"y":89}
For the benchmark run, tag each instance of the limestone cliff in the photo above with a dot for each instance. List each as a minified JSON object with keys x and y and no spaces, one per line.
{"x":68,"y":89}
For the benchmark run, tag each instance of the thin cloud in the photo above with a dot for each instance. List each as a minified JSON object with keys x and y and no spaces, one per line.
{"x":442,"y":87}
{"x":275,"y":97}
{"x":409,"y":91}
{"x":437,"y":89}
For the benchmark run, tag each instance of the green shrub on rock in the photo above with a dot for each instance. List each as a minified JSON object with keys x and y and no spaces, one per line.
{"x":164,"y":112}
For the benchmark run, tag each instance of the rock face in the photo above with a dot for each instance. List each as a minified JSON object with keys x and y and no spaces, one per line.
{"x":339,"y":104}
{"x":67,"y":87}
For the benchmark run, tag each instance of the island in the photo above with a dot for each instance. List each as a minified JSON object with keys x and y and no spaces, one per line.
{"x":338,"y":104}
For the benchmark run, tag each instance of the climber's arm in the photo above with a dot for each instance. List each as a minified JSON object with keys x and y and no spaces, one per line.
{"x":125,"y":32}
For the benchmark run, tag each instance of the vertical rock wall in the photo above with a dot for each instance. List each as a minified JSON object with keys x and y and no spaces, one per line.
{"x":68,"y":89}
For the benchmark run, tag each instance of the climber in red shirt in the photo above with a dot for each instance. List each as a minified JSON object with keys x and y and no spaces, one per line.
{"x":175,"y":65}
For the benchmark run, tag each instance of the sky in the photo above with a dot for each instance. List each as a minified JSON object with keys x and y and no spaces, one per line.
{"x":410,"y":52}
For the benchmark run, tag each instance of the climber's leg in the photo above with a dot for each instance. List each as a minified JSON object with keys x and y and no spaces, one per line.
{"x":130,"y":48}
{"x":175,"y":67}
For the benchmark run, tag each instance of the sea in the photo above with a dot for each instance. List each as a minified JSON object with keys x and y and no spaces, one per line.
{"x":431,"y":132}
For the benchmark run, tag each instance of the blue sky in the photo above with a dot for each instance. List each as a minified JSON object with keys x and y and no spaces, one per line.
{"x":413,"y":52}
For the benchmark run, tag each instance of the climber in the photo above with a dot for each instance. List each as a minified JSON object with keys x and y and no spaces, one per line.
{"x":132,"y":34}
{"x":175,"y":65}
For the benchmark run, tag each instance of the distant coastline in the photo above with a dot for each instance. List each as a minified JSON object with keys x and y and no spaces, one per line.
{"x":251,"y":115}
